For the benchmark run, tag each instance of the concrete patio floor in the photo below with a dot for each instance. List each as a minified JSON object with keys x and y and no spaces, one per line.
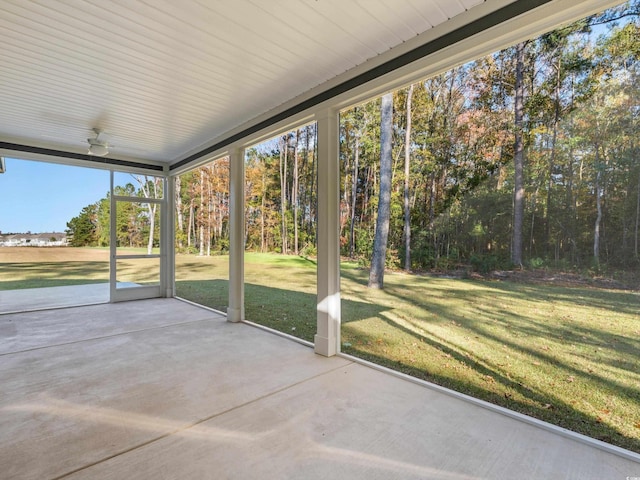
{"x":161,"y":389}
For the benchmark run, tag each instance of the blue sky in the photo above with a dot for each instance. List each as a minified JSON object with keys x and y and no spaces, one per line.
{"x":42,"y":197}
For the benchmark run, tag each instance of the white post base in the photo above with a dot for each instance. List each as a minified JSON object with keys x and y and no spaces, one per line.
{"x":234,"y":315}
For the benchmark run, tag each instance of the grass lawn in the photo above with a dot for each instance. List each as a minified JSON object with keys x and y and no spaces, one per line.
{"x":566,"y":355}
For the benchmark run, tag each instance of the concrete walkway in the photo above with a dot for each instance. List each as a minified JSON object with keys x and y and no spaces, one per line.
{"x":160,"y":389}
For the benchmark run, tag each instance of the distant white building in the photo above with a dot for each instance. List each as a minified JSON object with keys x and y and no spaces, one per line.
{"x":47,"y":239}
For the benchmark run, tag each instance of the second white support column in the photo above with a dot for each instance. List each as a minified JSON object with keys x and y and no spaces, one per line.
{"x":235,"y":310}
{"x":327,"y":338}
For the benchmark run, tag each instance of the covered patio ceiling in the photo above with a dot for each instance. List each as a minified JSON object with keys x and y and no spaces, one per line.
{"x":172,"y":83}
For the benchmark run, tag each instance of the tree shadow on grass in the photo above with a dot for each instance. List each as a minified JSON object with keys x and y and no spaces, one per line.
{"x":519,"y":324}
{"x":537,"y":404}
{"x":288,"y":311}
{"x":622,"y":301}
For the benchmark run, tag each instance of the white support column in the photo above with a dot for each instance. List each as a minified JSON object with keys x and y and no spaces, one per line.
{"x":168,"y":238}
{"x":235,"y":311}
{"x":327,"y":338}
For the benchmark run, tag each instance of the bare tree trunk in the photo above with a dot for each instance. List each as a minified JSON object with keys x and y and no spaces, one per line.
{"x":311,"y":129}
{"x":151,"y":208}
{"x":284,"y":145}
{"x":637,"y":217}
{"x":354,"y":197}
{"x":552,"y":157}
{"x":192,"y":229}
{"x":407,"y":163}
{"x":518,"y":190}
{"x":596,"y":228}
{"x":376,"y":274}
{"x":571,"y":198}
{"x":432,"y":214}
{"x":209,"y":215}
{"x":179,"y":212}
{"x":262,"y":207}
{"x":534,"y":201}
{"x":152,"y":226}
{"x":294,"y":196}
{"x":201,"y":213}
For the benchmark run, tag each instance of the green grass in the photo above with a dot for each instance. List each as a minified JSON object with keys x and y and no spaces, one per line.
{"x":566,"y":355}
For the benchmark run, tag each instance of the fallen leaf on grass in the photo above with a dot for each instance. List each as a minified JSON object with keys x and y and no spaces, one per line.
{"x":637,"y":425}
{"x":571,"y":379}
{"x":548,"y":406}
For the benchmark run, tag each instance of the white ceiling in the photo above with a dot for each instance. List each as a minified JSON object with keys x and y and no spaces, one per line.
{"x":163,"y":78}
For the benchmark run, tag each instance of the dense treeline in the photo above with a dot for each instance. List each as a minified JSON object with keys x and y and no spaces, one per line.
{"x":525,"y":157}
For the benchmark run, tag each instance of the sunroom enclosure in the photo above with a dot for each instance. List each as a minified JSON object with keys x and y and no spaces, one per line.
{"x":484,"y":30}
